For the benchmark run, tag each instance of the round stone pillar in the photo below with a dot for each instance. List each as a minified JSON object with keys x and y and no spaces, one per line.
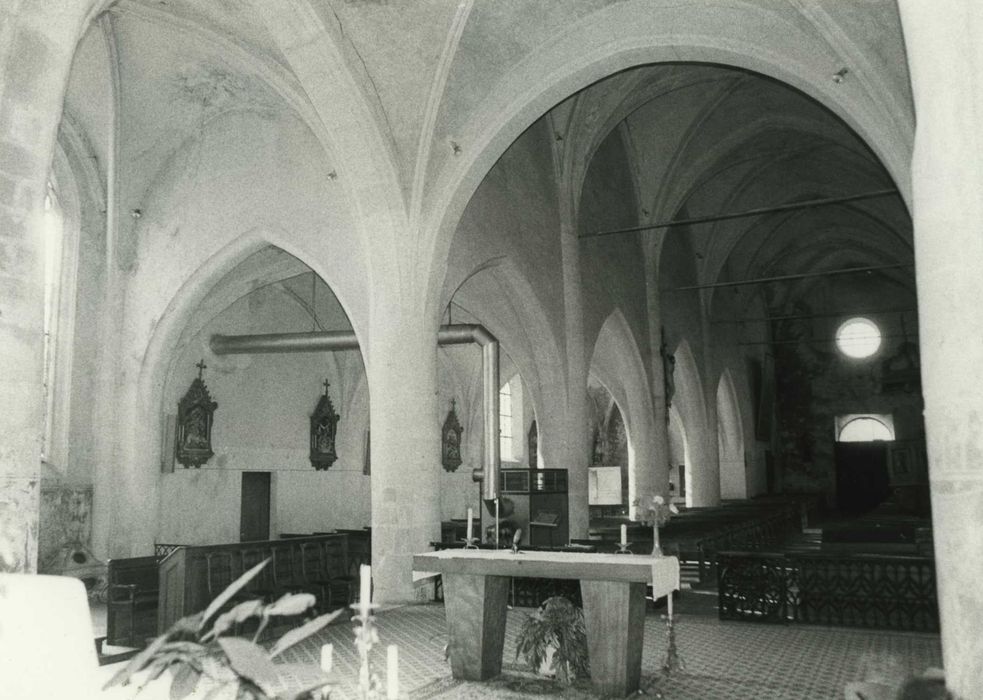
{"x":405,"y":449}
{"x":575,"y":427}
{"x":947,"y":184}
{"x":39,"y":41}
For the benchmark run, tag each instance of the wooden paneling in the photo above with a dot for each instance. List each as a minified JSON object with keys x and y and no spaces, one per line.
{"x":184,"y":573}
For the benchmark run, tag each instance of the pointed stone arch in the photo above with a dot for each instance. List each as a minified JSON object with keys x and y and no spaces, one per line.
{"x":702,"y":468}
{"x":138,"y":445}
{"x":730,"y":440}
{"x":678,"y":455}
{"x":629,"y":34}
{"x":617,"y":363}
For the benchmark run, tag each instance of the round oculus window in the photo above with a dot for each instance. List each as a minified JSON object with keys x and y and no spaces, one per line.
{"x":858,"y":338}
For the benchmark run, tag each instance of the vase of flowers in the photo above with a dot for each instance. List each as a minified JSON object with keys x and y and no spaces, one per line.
{"x":657,"y":512}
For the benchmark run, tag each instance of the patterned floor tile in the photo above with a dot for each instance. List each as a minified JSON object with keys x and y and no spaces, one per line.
{"x":725,"y":660}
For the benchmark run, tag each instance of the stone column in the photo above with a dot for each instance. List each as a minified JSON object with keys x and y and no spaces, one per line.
{"x":943,"y":43}
{"x":576,"y":454}
{"x":401,"y":367}
{"x":660,"y":414}
{"x":38,"y":41}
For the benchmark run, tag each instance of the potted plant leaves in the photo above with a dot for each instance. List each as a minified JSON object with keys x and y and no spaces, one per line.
{"x":201,"y":652}
{"x":553,"y":640}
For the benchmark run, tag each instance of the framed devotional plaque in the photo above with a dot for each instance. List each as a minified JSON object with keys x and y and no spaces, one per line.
{"x":193,"y":436}
{"x":324,"y":430}
{"x":450,"y":441}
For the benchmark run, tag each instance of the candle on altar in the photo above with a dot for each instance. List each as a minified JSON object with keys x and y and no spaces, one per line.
{"x":327,"y":657}
{"x":624,"y":534}
{"x":470,"y":516}
{"x":365,"y":588}
{"x":392,"y":672}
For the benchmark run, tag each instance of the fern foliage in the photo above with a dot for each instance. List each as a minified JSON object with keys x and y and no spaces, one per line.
{"x":559,"y":625}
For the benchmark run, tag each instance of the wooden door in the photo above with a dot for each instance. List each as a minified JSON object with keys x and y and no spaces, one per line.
{"x":254,"y":518}
{"x":862,"y":481}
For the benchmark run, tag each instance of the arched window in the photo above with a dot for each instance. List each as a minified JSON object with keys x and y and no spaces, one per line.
{"x":511,"y":425}
{"x":858,"y":337}
{"x":865,"y":429}
{"x":54,"y":228}
{"x":60,"y":247}
{"x":505,"y":422}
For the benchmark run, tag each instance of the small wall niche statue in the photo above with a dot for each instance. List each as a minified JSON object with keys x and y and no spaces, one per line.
{"x":193,"y":435}
{"x":450,"y":441}
{"x":668,"y":370}
{"x":324,"y":429}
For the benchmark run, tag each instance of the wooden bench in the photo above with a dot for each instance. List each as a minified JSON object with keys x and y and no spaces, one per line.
{"x":131,"y":601}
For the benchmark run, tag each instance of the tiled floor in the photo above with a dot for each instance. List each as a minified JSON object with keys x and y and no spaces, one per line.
{"x":725,"y":660}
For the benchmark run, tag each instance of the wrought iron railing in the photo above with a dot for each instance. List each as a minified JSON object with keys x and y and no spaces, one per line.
{"x":752,"y":534}
{"x":850,"y":590}
{"x":161,"y":550}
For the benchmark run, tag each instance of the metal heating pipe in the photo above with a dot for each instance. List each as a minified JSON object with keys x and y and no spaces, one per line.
{"x":454,"y":334}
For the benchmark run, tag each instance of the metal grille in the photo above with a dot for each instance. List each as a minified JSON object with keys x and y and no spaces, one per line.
{"x":850,"y":590}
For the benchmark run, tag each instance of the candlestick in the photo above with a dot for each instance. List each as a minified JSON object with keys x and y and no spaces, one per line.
{"x":624,"y":534}
{"x":365,"y":588}
{"x":470,"y":533}
{"x":392,"y":672}
{"x":327,"y":657}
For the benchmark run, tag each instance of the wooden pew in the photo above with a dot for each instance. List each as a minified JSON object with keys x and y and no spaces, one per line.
{"x":191,"y":576}
{"x":131,"y":597}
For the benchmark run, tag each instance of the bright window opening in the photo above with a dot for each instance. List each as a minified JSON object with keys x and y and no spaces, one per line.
{"x":53,"y":244}
{"x":505,"y":422}
{"x":858,"y":338}
{"x":864,"y":428}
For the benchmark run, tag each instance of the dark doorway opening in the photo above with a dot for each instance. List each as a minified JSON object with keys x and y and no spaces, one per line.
{"x":254,"y":519}
{"x":862,"y":481}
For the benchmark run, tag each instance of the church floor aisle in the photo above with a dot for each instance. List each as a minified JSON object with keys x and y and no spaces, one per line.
{"x":725,"y":660}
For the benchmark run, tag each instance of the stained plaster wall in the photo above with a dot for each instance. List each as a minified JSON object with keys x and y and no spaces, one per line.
{"x":262,"y":424}
{"x":815,"y":383}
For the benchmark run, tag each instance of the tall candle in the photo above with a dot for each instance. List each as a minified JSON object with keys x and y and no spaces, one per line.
{"x":470,"y":516}
{"x":365,"y":587}
{"x":392,"y":672}
{"x":624,"y":534}
{"x":327,"y":657}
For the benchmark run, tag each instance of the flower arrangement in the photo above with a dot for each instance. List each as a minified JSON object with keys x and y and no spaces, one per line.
{"x":204,"y":657}
{"x":655,"y":511}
